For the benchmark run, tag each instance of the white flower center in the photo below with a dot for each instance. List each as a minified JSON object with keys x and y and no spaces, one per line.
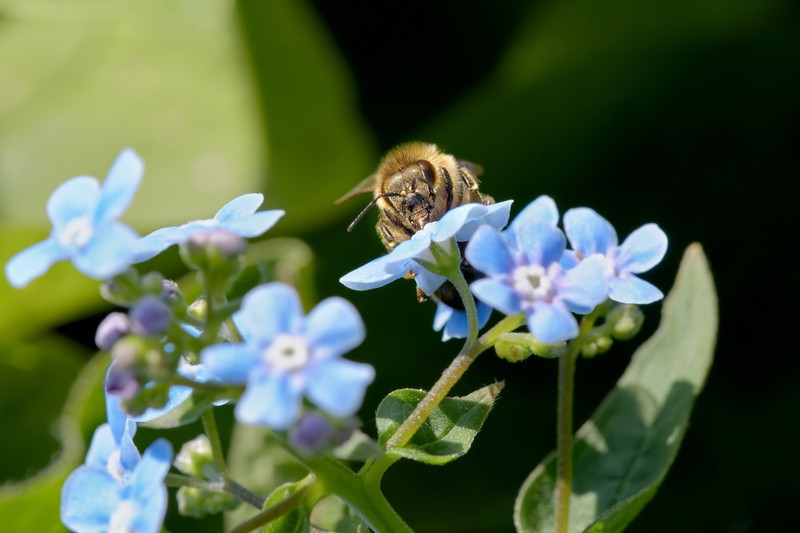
{"x":532,"y":283}
{"x":287,"y":353}
{"x":122,"y":517}
{"x":114,"y":466}
{"x":76,"y":233}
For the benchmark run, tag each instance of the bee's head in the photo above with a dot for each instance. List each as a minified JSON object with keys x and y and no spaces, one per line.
{"x":412,"y":192}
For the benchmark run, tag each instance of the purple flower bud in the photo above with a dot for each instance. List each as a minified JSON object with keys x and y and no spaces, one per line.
{"x":311,"y":433}
{"x":121,"y":382}
{"x":149,"y":316}
{"x":224,"y":242}
{"x":111,"y":329}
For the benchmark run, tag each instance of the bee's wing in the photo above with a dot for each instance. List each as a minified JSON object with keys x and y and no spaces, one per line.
{"x":366,"y":185}
{"x":474,"y":168}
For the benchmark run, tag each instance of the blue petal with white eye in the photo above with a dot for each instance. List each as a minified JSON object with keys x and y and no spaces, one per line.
{"x":540,"y":243}
{"x":258,"y":312}
{"x":88,"y":499}
{"x":488,"y":252}
{"x":34,"y":261}
{"x":372,"y":275}
{"x":642,"y":250}
{"x":632,"y":290}
{"x":230,"y":363}
{"x":274,"y":400}
{"x":588,"y":232}
{"x":119,"y":187}
{"x":551,"y":324}
{"x":333,"y":328}
{"x":108,"y":253}
{"x":497,"y":294}
{"x":76,"y":197}
{"x":338,"y":385}
{"x":585,"y":286}
{"x":241,"y":206}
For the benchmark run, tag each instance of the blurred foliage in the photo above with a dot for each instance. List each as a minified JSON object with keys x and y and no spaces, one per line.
{"x":683,"y":113}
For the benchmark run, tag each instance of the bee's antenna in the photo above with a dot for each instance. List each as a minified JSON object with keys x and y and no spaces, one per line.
{"x":368,"y":207}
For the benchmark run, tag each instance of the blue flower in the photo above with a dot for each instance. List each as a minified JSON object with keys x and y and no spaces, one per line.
{"x":454,"y":321}
{"x":238,"y":216}
{"x":524,"y":276}
{"x":96,"y":500}
{"x":592,"y":235}
{"x":458,"y":224}
{"x":287,"y":356}
{"x":85,"y":228}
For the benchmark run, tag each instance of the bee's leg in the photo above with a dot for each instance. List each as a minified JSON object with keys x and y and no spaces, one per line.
{"x":421,"y":297}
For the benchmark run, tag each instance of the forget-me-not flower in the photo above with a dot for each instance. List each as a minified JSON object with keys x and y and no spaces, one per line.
{"x":287,"y":356}
{"x":85,"y":228}
{"x":592,"y":235}
{"x":457,"y":225}
{"x":95,"y":500}
{"x":238,"y":216}
{"x":524,"y":276}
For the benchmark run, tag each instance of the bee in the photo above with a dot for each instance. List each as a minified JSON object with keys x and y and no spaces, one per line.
{"x":415,"y":184}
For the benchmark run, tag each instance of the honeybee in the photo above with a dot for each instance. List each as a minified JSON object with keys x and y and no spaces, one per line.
{"x":416,"y":183}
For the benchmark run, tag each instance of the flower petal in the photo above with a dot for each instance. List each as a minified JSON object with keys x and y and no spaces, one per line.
{"x":454,"y":220}
{"x":32,"y":262}
{"x":333,"y":327}
{"x":119,"y":187}
{"x":101,"y":447}
{"x":149,"y":473}
{"x":156,"y":242}
{"x":458,"y":325}
{"x":541,"y":244}
{"x":497,"y":294}
{"x":76,"y":197}
{"x":88,"y":498}
{"x":371,"y":276}
{"x":230,"y":363}
{"x":493,"y":215}
{"x":487,"y":251}
{"x":253,"y":225}
{"x":240,"y":207}
{"x":407,"y":250}
{"x":642,"y":250}
{"x":427,"y":280}
{"x":338,"y":385}
{"x":588,"y":232}
{"x":551,"y":323}
{"x":108,"y":253}
{"x":442,"y":316}
{"x":271,"y":309}
{"x":632,"y":290}
{"x":542,"y":210}
{"x":585,"y":286}
{"x":272,"y":400}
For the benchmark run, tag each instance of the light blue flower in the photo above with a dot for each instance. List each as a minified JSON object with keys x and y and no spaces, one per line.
{"x":524,"y":276}
{"x":458,"y":224}
{"x":287,"y":356}
{"x":238,"y":216}
{"x":453,"y":322}
{"x":85,"y":229}
{"x":95,"y":500}
{"x":592,"y":235}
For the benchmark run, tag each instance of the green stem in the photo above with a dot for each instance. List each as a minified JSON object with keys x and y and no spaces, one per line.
{"x":365,"y":499}
{"x":449,"y":378}
{"x":279,"y":509}
{"x":461,"y":285}
{"x":228,"y":485}
{"x":210,"y":427}
{"x":564,"y":433}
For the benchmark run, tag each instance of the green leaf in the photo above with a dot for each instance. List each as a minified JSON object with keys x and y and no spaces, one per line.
{"x":317,"y":145}
{"x":359,"y":447}
{"x":448,"y":432}
{"x":332,"y":514}
{"x":81,"y":80}
{"x":185,"y":412}
{"x":294,"y":521}
{"x":623,"y":453}
{"x":33,"y":504}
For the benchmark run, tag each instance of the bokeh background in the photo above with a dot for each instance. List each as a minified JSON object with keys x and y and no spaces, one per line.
{"x":684,"y":113}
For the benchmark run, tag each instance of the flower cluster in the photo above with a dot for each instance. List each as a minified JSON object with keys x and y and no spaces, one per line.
{"x":525,"y":268}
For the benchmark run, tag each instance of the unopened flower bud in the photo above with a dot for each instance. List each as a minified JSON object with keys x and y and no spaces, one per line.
{"x":217,"y":249}
{"x":152,"y":283}
{"x":199,"y":309}
{"x":198,"y":503}
{"x":122,"y":382}
{"x":149,"y":316}
{"x":128,"y":352}
{"x":515,"y":347}
{"x":113,"y":327}
{"x":343,"y":432}
{"x":311,"y":434}
{"x":626,"y":321}
{"x":196,"y":459}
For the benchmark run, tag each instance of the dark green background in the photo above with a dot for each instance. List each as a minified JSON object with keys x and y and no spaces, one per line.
{"x":683,"y":113}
